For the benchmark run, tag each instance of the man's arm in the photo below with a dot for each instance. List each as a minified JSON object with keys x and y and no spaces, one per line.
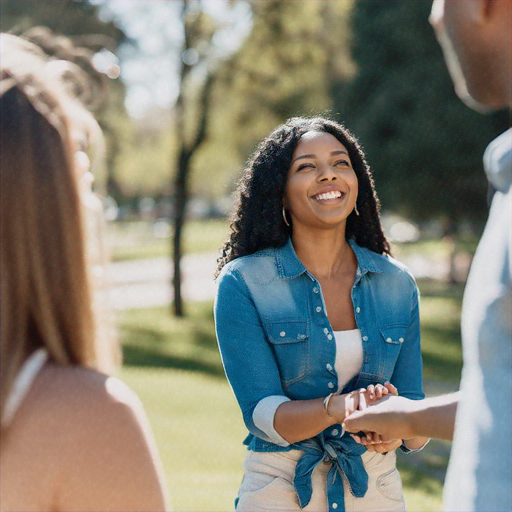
{"x":396,"y":417}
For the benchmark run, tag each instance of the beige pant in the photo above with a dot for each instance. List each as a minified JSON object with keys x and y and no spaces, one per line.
{"x":268,"y":485}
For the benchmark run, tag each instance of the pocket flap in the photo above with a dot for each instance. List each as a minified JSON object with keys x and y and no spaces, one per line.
{"x":394,"y":333}
{"x":288,"y":332}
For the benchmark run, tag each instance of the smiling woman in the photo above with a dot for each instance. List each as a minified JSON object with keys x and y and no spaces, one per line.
{"x":314,"y":319}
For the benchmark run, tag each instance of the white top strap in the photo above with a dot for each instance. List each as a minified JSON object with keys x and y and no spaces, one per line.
{"x":23,"y":382}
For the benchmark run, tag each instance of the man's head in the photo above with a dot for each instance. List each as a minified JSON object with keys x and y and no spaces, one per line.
{"x":477,"y":44}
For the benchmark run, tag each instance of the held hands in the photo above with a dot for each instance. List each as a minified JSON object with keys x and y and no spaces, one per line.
{"x":359,"y":400}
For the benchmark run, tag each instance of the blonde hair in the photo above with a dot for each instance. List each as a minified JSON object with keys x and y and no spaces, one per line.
{"x":45,"y":284}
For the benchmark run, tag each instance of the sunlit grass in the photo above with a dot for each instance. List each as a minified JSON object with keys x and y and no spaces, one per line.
{"x":138,"y":240}
{"x":175,"y":367}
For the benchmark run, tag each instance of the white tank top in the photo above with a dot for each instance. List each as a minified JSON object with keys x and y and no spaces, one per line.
{"x":22,"y":383}
{"x":349,"y":355}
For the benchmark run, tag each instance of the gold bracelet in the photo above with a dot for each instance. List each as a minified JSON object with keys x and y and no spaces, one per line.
{"x":327,"y":399}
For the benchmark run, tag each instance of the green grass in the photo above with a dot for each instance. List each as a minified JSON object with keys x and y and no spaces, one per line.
{"x":434,"y":248}
{"x":136,"y":240}
{"x":440,"y":328}
{"x":174,"y":366}
{"x":198,"y":431}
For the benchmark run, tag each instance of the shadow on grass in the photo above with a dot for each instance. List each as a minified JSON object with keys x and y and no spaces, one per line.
{"x":442,"y":364}
{"x":416,"y":478}
{"x":134,"y":355}
{"x":437,"y":288}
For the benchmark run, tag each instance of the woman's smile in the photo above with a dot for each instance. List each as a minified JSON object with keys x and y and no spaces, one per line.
{"x":330,"y":196}
{"x":322,"y":185}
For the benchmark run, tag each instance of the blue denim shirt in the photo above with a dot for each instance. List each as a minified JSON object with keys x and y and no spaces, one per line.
{"x":275,"y":338}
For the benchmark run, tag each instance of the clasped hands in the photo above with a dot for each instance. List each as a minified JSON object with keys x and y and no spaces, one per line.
{"x":359,"y":400}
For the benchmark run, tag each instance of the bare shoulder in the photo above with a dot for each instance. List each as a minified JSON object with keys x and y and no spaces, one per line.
{"x":75,"y":394}
{"x":91,"y":432}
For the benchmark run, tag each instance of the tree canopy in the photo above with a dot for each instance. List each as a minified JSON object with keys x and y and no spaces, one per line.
{"x":424,"y":145}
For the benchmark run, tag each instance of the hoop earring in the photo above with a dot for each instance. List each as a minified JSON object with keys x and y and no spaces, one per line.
{"x":356,"y":210}
{"x":284,"y":217}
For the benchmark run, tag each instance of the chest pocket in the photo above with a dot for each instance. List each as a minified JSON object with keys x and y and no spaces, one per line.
{"x":290,"y":341}
{"x":393,"y":336}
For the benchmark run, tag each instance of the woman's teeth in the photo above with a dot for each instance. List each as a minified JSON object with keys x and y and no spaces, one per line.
{"x":335,"y":194}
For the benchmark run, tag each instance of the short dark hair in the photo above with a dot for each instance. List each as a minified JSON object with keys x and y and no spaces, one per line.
{"x":257,"y":221}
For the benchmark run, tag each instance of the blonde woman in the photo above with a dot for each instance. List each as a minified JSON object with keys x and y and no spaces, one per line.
{"x":72,"y":438}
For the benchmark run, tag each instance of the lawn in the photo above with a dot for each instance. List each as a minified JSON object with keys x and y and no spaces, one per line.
{"x":174,"y":366}
{"x":139,"y":239}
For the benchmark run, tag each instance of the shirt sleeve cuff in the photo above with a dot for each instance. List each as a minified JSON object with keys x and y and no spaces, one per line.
{"x":263,"y":417}
{"x":406,"y":449}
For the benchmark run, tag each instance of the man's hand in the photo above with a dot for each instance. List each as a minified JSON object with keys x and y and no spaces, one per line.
{"x":389,"y":417}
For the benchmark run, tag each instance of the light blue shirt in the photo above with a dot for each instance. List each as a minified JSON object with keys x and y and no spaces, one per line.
{"x":479,"y":474}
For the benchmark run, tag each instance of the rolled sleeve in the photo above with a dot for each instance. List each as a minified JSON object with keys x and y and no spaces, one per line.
{"x":406,"y":449}
{"x":263,"y":417}
{"x":248,"y":358}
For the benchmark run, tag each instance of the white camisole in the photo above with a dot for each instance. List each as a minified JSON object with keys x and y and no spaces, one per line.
{"x":349,"y":355}
{"x":22,"y":383}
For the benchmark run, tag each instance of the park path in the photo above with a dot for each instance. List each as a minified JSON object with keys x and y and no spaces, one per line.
{"x":146,"y":283}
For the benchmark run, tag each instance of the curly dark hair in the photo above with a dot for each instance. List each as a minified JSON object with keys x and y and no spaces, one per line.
{"x":257,"y":222}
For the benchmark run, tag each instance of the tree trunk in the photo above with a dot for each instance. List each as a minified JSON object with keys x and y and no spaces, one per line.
{"x":185,"y":155}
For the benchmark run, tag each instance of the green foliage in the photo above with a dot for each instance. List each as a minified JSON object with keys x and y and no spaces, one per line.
{"x":67,"y":17}
{"x":284,"y":68}
{"x":425,"y":146}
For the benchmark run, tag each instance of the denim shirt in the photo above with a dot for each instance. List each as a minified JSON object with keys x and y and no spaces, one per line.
{"x":275,"y":337}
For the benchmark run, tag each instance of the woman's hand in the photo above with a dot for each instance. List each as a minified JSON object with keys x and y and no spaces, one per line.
{"x":376,"y":443}
{"x":360,"y":399}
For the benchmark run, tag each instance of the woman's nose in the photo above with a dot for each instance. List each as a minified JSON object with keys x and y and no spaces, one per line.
{"x":327,"y":173}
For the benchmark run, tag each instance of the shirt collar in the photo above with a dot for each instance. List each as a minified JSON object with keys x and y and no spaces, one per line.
{"x":289,"y":266}
{"x":498,"y":161}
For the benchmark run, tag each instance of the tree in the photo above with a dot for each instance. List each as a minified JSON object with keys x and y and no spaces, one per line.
{"x":425,"y":146}
{"x":284,"y":68}
{"x":198,"y":32}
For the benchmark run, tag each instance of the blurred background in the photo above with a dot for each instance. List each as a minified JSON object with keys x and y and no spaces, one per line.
{"x":193,"y":87}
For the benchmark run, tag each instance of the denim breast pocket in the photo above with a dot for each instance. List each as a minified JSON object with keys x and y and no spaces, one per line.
{"x":393,"y":336}
{"x":290,"y":340}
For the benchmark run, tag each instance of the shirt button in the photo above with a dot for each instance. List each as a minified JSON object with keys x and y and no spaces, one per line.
{"x":315,"y":290}
{"x":329,"y":336}
{"x":330,"y":385}
{"x":326,"y":331}
{"x":389,"y":340}
{"x":328,"y":366}
{"x":334,"y":506}
{"x":282,"y":334}
{"x":335,"y":432}
{"x":365,"y":338}
{"x":358,"y":310}
{"x":401,"y":340}
{"x":318,"y":309}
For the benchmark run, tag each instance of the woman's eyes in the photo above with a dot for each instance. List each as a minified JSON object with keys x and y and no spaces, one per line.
{"x":338,"y":163}
{"x":305,"y":166}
